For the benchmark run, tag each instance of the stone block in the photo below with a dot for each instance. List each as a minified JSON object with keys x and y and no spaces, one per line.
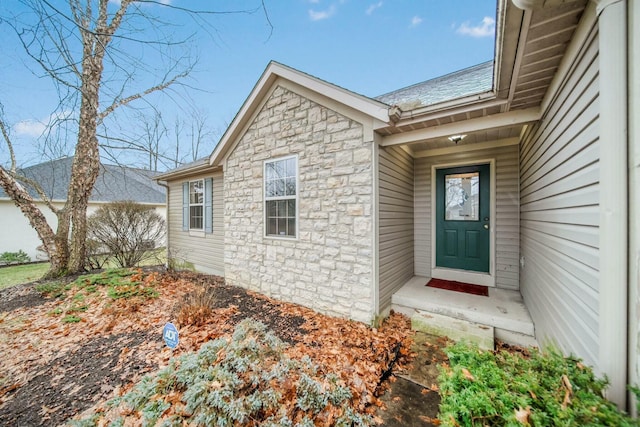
{"x":362,"y":155}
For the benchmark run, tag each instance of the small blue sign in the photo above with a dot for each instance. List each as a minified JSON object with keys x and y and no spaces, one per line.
{"x":170,"y":335}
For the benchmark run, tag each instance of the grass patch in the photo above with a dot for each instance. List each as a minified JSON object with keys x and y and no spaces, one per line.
{"x":18,"y":274}
{"x":53,"y":289}
{"x":117,"y":284}
{"x":26,"y":273}
{"x":482,"y":388}
{"x":70,"y":318}
{"x":121,"y":283}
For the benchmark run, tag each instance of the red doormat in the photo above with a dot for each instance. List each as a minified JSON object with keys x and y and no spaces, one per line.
{"x":466,"y":288}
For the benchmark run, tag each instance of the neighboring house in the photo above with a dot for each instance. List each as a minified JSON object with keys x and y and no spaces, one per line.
{"x":114,"y":183}
{"x":330,"y":199}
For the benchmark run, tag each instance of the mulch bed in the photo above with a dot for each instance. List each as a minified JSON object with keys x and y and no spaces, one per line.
{"x":51,"y":371}
{"x":19,"y":296}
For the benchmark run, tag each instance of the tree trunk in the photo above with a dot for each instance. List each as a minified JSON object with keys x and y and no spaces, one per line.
{"x":55,"y":247}
{"x":59,"y":266}
{"x":86,"y":161}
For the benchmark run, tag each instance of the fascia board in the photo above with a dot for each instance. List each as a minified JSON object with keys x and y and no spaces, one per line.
{"x":466,"y":126}
{"x":185,"y":172}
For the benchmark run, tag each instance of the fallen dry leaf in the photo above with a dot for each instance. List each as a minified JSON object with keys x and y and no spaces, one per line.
{"x":426,"y":419}
{"x":467,"y":374}
{"x":568,"y":393}
{"x":522,"y":415}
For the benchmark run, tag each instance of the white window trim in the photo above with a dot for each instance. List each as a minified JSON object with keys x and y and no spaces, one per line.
{"x":196,"y":230}
{"x":265,"y":199}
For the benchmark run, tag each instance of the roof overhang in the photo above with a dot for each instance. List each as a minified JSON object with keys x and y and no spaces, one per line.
{"x":189,"y":170}
{"x":529,"y":50}
{"x":480,"y":124}
{"x":274,"y":71}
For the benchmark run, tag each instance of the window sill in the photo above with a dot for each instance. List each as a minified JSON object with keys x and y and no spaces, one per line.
{"x":196,"y":233}
{"x":287,"y":238}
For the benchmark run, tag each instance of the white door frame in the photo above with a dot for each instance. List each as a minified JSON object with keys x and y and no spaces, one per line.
{"x":476,"y":278}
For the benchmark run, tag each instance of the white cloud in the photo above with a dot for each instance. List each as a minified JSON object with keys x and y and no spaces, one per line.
{"x":35,"y":128}
{"x":322,"y":14}
{"x":31,"y":128}
{"x":485,"y":29}
{"x":373,"y":7}
{"x":415,"y":21}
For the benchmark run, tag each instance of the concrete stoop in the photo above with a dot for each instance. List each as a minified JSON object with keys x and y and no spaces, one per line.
{"x":502,"y":315}
{"x":456,"y":329}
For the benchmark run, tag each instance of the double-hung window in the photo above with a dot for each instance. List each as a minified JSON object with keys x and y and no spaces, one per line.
{"x":196,"y":204}
{"x":280,"y":195}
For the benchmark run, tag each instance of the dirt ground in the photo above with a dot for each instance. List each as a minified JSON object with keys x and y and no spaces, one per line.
{"x":412,"y":398}
{"x":51,"y":371}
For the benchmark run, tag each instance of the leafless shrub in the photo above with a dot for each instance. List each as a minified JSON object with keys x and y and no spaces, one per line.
{"x":128,"y":231}
{"x":196,"y":308}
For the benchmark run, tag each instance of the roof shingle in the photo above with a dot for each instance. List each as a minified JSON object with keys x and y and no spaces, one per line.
{"x":114,"y":182}
{"x":470,"y":81}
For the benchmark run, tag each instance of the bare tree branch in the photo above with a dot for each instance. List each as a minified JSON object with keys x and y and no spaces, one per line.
{"x":5,"y":134}
{"x":128,"y":99}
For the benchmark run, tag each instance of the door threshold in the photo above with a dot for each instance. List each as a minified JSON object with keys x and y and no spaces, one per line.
{"x":483,"y":279}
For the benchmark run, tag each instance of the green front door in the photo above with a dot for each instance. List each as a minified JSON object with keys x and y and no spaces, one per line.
{"x":462,"y":218}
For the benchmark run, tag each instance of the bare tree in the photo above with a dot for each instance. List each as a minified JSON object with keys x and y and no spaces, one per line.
{"x":178,"y":126}
{"x":162,"y":148}
{"x":200,"y":133}
{"x":77,"y":48}
{"x":154,"y":132}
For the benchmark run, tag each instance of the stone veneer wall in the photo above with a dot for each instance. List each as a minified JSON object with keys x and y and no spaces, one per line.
{"x":329,"y":267}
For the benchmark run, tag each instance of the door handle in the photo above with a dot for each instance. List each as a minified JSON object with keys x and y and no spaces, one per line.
{"x":486,"y":226}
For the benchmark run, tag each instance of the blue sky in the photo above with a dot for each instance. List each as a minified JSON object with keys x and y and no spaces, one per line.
{"x":370,"y":47}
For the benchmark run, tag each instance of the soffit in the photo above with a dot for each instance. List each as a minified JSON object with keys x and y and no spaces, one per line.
{"x":489,"y":135}
{"x":530,"y":50}
{"x":549,"y":33}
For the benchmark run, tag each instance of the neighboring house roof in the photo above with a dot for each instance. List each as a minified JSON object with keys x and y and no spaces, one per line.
{"x":470,"y":81}
{"x":114,"y":182}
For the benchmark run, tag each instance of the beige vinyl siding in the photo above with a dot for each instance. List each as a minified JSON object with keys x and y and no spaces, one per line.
{"x":395,"y":227}
{"x":560,"y":212}
{"x":204,"y":251}
{"x":507,"y":210}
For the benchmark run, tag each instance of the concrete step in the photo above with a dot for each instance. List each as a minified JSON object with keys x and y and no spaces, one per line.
{"x":456,"y":329}
{"x":503,"y":310}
